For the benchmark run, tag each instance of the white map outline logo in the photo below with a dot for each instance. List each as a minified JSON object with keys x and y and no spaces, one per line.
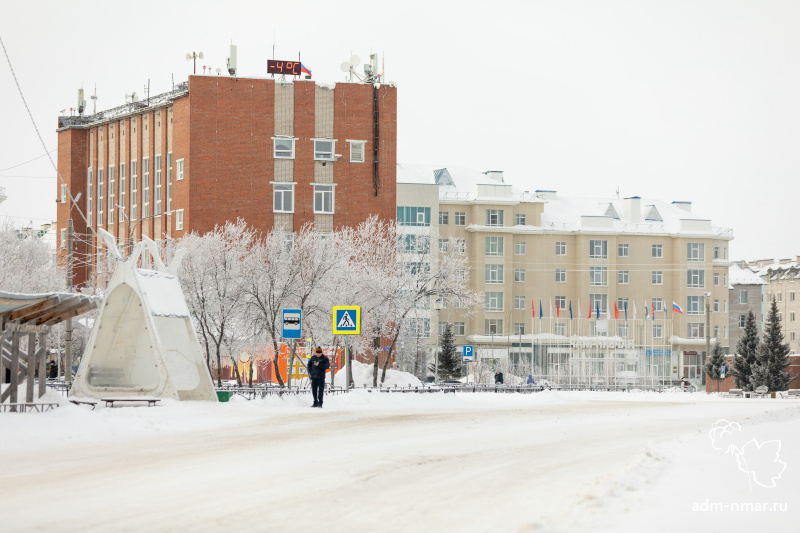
{"x":760,"y":461}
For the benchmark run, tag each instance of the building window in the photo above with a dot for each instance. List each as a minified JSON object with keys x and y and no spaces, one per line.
{"x":791,"y":316}
{"x":459,"y":328}
{"x":622,"y":304}
{"x":519,"y":302}
{"x":792,"y":336}
{"x":561,"y":248}
{"x":169,"y":181}
{"x":416,"y":244}
{"x":145,"y":187}
{"x":444,"y":245}
{"x":413,"y":216}
{"x":791,"y":296}
{"x":494,"y":217}
{"x":657,"y":331}
{"x":493,"y":326}
{"x":64,"y":238}
{"x":716,"y":332}
{"x":63,"y":193}
{"x":519,"y":274}
{"x":323,"y":149}
{"x":622,"y":250}
{"x":724,"y":306}
{"x":444,"y":218}
{"x":157,"y":210}
{"x":420,"y":327}
{"x":460,"y":218}
{"x":519,"y":328}
{"x":780,"y":296}
{"x":561,"y":275}
{"x":693,"y":305}
{"x":519,"y":248}
{"x":122,"y":192}
{"x":519,"y":219}
{"x":494,"y":301}
{"x":725,"y":331}
{"x":283,"y":197}
{"x":598,"y":301}
{"x":716,"y":306}
{"x":494,"y":246}
{"x":695,"y":279}
{"x":560,"y":329}
{"x":357,"y":149}
{"x":742,"y":296}
{"x":100,"y":197}
{"x":179,"y":163}
{"x":695,"y":330}
{"x":323,"y":199}
{"x":598,"y":276}
{"x":658,"y":304}
{"x":461,"y":246}
{"x":716,"y":279}
{"x":658,"y":277}
{"x":134,"y":192}
{"x":494,"y":274}
{"x":716,"y":252}
{"x":622,"y":330}
{"x":598,"y":249}
{"x":179,"y":219}
{"x":658,"y":251}
{"x":622,"y":277}
{"x":89,"y":184}
{"x":283,"y":147}
{"x":695,"y":251}
{"x":111,"y":195}
{"x":561,"y":302}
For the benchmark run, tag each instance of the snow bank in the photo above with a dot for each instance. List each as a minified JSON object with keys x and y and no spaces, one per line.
{"x":362,"y":377}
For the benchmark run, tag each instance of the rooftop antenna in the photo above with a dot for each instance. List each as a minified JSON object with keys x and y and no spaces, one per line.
{"x":351,"y":65}
{"x":81,"y":102}
{"x":232,"y":60}
{"x":132,"y":97}
{"x":94,"y":100}
{"x":194,"y":56}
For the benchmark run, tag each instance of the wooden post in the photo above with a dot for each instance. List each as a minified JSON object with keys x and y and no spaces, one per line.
{"x":42,"y":352}
{"x":14,"y":369}
{"x":31,"y":367}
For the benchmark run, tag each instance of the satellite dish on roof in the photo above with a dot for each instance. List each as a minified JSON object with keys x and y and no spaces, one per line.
{"x":188,"y":57}
{"x":355,"y":61}
{"x":345,"y":67}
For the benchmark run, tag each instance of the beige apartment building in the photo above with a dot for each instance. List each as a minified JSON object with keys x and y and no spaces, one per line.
{"x":783,"y":284}
{"x":540,"y":258}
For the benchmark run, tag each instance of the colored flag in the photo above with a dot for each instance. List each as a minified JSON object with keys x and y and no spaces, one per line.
{"x":590,"y":310}
{"x":616,"y":311}
{"x":558,"y":309}
{"x":646,"y":312}
{"x":626,"y":311}
{"x":303,"y":68}
{"x":533,"y":309}
{"x":570,"y":309}
{"x":653,"y":309}
{"x":597,"y":308}
{"x":676,"y":308}
{"x":540,"y":309}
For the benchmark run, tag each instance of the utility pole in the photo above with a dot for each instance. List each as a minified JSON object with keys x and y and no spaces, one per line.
{"x":68,"y":336}
{"x":707,"y":296}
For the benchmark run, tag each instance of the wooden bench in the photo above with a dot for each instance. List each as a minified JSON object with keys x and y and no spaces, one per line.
{"x":792,"y":394}
{"x":25,"y":407}
{"x":150,"y":401}
{"x":734,"y":393}
{"x":84,"y":402}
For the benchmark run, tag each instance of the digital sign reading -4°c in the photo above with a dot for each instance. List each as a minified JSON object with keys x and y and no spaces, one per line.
{"x":283,"y":67}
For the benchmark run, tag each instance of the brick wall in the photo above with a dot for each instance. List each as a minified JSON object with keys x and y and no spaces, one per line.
{"x":730,"y":382}
{"x":73,"y":157}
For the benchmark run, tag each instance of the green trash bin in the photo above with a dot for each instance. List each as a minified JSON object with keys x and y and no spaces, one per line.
{"x":224,"y":395}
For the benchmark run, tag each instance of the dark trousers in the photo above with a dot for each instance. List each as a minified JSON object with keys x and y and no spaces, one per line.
{"x":317,"y":388}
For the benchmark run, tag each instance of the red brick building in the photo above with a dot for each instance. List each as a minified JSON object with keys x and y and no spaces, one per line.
{"x":218,"y":148}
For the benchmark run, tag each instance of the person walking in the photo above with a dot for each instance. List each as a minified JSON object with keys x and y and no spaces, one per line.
{"x":317,"y":366}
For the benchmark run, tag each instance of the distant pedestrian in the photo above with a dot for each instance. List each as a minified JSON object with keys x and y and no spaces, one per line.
{"x":531,"y":380}
{"x":53,"y":370}
{"x":498,"y":378}
{"x":317,"y":366}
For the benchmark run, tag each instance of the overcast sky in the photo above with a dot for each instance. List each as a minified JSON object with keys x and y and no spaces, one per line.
{"x":694,"y":100}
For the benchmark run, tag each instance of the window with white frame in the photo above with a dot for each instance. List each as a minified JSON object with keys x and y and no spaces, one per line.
{"x":658,"y":277}
{"x":169,"y":181}
{"x":792,"y":336}
{"x":695,"y":278}
{"x":460,"y":218}
{"x":494,"y":301}
{"x":598,"y":276}
{"x":283,"y":147}
{"x":716,"y":252}
{"x":716,"y":332}
{"x":494,"y":245}
{"x":791,"y":296}
{"x":444,"y":245}
{"x":716,"y":306}
{"x":724,"y":306}
{"x":658,"y":251}
{"x":179,"y":219}
{"x":413,"y":216}
{"x":519,"y":274}
{"x":459,"y":328}
{"x":442,"y":327}
{"x":622,"y":303}
{"x":357,"y":150}
{"x":791,"y":316}
{"x":623,"y":276}
{"x":519,"y":248}
{"x":561,"y":275}
{"x":283,"y":197}
{"x":598,"y":301}
{"x":725,"y":279}
{"x":493,"y":326}
{"x":695,"y":330}
{"x":519,"y":328}
{"x":494,"y":274}
{"x":695,"y":251}
{"x":725,"y":331}
{"x":158,"y":186}
{"x":323,"y":199}
{"x":561,"y":248}
{"x":460,"y":275}
{"x":179,"y":169}
{"x":134,"y":192}
{"x":100,"y":197}
{"x":145,"y":187}
{"x":694,"y":305}
{"x":90,"y":197}
{"x":461,"y":245}
{"x":444,"y":218}
{"x":519,"y":302}
{"x":716,"y":279}
{"x":658,"y":304}
{"x":519,"y":219}
{"x":63,"y":193}
{"x":622,"y":250}
{"x":494,"y":217}
{"x":420,"y":327}
{"x":657,"y":331}
{"x":64,"y":238}
{"x":743,"y":296}
{"x":560,"y":329}
{"x":561,"y":302}
{"x":780,"y":297}
{"x":123,"y":191}
{"x":324,"y":149}
{"x":622,"y":330}
{"x":598,"y":249}
{"x":111,"y":194}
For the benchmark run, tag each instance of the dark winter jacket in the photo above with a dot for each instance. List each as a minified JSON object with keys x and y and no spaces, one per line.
{"x":318,"y":371}
{"x":498,"y":378}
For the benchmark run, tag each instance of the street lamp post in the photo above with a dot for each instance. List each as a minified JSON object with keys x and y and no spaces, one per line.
{"x":437,"y":305}
{"x":707,"y":296}
{"x":133,"y":228}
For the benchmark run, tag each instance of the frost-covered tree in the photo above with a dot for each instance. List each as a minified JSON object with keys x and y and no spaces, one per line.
{"x":746,"y":351}
{"x":773,"y":355}
{"x":450,"y":363}
{"x":715,"y":363}
{"x":26,"y":264}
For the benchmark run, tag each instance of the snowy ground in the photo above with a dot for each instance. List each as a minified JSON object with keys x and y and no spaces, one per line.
{"x":404,"y":462}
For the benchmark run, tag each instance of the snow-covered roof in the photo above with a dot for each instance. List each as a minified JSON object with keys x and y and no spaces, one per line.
{"x":743,"y":276}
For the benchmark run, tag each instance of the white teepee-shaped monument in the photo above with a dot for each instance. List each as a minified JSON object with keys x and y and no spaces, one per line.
{"x":143,"y":342}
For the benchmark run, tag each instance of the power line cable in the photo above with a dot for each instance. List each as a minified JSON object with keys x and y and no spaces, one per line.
{"x":30,"y":160}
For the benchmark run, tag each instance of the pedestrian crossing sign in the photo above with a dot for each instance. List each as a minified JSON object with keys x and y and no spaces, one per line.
{"x":347,"y":320}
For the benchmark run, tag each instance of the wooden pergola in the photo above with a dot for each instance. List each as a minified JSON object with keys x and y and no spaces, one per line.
{"x":32,"y":315}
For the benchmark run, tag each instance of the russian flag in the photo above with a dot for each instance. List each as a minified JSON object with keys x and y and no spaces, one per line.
{"x":303,"y":69}
{"x":676,"y":308}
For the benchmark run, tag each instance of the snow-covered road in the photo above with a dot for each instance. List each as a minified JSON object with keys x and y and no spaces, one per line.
{"x":369,"y":462}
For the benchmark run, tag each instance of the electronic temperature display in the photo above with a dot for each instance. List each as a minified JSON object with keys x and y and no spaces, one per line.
{"x":283,"y":67}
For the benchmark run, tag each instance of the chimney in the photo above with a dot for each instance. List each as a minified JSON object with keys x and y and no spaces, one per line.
{"x":496,"y":175}
{"x":546,"y":195}
{"x":632,"y":209}
{"x":686,"y":206}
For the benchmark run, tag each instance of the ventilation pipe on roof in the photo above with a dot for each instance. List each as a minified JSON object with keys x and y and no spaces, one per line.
{"x":496,"y":175}
{"x":632,"y":208}
{"x":686,"y":206}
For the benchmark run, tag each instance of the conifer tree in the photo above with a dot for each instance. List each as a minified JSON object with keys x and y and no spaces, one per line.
{"x":449,"y":361}
{"x":773,"y":355}
{"x":747,"y":350}
{"x":715,"y":363}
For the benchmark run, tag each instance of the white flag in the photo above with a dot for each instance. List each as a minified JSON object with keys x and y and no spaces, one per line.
{"x":634,"y":309}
